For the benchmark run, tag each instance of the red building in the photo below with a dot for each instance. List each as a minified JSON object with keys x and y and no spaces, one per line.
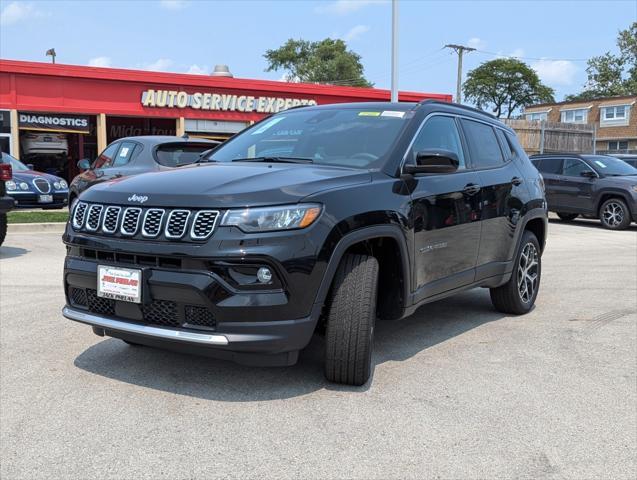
{"x":79,"y":110}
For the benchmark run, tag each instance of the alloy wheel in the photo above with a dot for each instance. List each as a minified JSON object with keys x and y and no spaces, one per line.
{"x":528,"y":272}
{"x":613,"y":214}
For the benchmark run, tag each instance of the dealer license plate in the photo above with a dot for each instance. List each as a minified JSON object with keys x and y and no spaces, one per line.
{"x":119,"y":283}
{"x":45,"y":198}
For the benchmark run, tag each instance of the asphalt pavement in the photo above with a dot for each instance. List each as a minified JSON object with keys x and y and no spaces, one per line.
{"x":459,"y":390}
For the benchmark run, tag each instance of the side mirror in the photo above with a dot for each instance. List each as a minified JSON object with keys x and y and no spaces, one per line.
{"x":84,"y":164}
{"x":588,"y":174}
{"x":434,"y":161}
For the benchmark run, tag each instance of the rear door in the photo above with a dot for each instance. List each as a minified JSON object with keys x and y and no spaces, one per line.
{"x":551,"y":170}
{"x":445,"y":214}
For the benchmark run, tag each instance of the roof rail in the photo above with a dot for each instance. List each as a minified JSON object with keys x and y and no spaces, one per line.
{"x":458,"y":105}
{"x":561,"y":154}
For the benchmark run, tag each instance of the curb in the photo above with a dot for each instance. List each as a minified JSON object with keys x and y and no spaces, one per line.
{"x":53,"y":227}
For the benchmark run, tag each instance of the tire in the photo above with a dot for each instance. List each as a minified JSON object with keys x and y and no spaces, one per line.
{"x":350,"y":323}
{"x":567,"y":217}
{"x":514,"y":296}
{"x":614,"y":214}
{"x":3,"y":227}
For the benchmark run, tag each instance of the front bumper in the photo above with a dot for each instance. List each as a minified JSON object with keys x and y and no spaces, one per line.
{"x":31,"y":200}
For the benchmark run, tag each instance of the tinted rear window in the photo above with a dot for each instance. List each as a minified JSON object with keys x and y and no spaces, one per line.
{"x":177,"y":154}
{"x":549,"y":165}
{"x":483,"y":144}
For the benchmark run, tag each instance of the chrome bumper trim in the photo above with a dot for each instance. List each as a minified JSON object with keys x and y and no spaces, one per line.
{"x":157,"y":332}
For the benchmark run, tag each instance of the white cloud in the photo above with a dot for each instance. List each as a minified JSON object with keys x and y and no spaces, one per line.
{"x":343,"y":7}
{"x":195,"y":69}
{"x":555,"y":72}
{"x":356,"y":32}
{"x":100,"y":62}
{"x":15,"y":12}
{"x":173,"y":4}
{"x":477,"y":43}
{"x":161,"y":65}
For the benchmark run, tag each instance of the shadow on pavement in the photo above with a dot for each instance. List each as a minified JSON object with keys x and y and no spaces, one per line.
{"x":589,"y":223}
{"x":11,"y":252}
{"x":219,"y":380}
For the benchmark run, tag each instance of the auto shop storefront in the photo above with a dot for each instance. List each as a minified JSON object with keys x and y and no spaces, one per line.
{"x":54,"y":115}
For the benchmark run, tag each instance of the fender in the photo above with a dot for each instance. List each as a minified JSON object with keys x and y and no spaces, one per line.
{"x":366,"y":233}
{"x":614,"y":192}
{"x":532,"y":215}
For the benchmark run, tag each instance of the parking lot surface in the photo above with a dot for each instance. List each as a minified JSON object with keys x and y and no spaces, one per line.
{"x":459,"y":390}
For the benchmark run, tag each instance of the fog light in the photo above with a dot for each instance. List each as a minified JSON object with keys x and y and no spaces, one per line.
{"x":264,"y":275}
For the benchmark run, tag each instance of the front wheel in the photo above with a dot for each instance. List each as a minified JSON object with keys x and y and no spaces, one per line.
{"x":567,"y":217}
{"x":614,"y":214}
{"x":518,"y":295}
{"x":351,"y":319}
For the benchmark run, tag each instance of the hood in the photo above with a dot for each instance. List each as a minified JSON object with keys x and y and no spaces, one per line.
{"x":29,"y":175}
{"x":623,"y":180}
{"x":225,"y":185}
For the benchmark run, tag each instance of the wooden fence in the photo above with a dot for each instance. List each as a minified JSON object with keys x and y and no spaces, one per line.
{"x":547,"y":137}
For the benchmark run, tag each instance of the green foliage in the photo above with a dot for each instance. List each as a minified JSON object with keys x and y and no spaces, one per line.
{"x":327,"y":61}
{"x":505,"y":85}
{"x":37,"y":216}
{"x":611,"y":75}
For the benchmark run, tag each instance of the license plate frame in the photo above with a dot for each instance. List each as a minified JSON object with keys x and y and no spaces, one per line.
{"x":119,"y":283}
{"x":45,"y":198}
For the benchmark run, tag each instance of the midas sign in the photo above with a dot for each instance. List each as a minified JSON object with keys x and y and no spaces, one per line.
{"x":216,"y":101}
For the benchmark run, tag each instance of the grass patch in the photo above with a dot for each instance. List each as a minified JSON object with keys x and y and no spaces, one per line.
{"x":18,"y":216}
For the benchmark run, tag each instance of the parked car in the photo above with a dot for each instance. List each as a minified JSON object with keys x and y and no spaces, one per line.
{"x":630,"y":159}
{"x":49,"y":143}
{"x":31,"y":189}
{"x":366,"y":210}
{"x":594,"y":186}
{"x":6,"y":202}
{"x":134,"y":155}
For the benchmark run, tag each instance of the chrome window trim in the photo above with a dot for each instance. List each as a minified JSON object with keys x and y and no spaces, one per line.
{"x":88,"y":215}
{"x":74,"y":223}
{"x":161,"y":219}
{"x":121,"y":228}
{"x":119,"y":211}
{"x":194,"y":222}
{"x":175,"y":237}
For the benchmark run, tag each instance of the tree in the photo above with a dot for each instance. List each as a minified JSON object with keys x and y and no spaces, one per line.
{"x":611,"y":75}
{"x":505,"y":85}
{"x":327,"y":61}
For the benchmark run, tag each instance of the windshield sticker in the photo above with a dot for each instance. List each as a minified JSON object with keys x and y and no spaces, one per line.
{"x":601,"y":164}
{"x":392,"y":113}
{"x":369,"y":114}
{"x":267,"y":125}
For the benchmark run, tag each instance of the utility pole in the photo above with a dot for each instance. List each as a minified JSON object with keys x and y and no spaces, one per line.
{"x":394,"y":50}
{"x":51,"y":53}
{"x":460,"y":49}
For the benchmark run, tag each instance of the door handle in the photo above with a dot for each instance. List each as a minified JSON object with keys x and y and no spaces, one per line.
{"x":516,"y":181}
{"x":471,"y":189}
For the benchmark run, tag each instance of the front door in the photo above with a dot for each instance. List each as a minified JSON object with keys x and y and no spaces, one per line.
{"x":575,"y":191}
{"x":445,"y":215}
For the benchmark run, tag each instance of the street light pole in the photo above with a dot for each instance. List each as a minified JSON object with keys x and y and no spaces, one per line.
{"x":394,"y":50}
{"x":460,"y":49}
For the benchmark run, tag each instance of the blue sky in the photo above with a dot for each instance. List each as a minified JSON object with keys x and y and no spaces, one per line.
{"x":194,"y":35}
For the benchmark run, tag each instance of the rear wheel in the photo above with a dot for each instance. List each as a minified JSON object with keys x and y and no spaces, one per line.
{"x":351,"y":318}
{"x":567,"y":217}
{"x":614,"y":214}
{"x":3,"y":227}
{"x":518,"y":295}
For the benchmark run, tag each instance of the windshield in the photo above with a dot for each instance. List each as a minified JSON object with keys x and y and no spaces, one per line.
{"x":352,"y":137}
{"x":177,"y":154}
{"x":610,"y":166}
{"x":16,"y":165}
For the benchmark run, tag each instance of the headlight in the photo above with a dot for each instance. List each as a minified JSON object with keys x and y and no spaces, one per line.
{"x":24,"y":186}
{"x":11,"y":185}
{"x":273,"y":218}
{"x":56,"y":185}
{"x":63,"y":184}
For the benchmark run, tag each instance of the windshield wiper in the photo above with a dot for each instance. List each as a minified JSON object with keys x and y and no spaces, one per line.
{"x":275,"y":159}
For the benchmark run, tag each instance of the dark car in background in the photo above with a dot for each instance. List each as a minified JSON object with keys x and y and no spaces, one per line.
{"x":6,"y":202}
{"x":134,"y":155}
{"x":32,"y":189}
{"x":594,"y":186}
{"x":630,"y":159}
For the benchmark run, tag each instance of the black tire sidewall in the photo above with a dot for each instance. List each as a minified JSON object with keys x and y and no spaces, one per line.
{"x":527,"y":237}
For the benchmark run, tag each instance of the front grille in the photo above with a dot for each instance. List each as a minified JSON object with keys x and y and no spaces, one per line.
{"x":103,"y":306}
{"x":152,"y":222}
{"x":111,"y":219}
{"x":42,"y":185}
{"x":79,"y":215}
{"x":177,"y":223}
{"x":78,"y":297}
{"x":130,"y":221}
{"x":162,"y":312}
{"x":200,"y":316}
{"x":204,"y":224}
{"x":93,"y":218}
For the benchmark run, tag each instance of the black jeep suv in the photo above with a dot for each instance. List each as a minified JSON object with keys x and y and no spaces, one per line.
{"x":314,"y":219}
{"x":595,"y":186}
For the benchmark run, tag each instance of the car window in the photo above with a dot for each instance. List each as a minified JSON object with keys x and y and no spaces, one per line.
{"x":483,"y":144}
{"x":507,"y":148}
{"x":124,"y":154}
{"x":439,"y":132}
{"x":573,"y":167}
{"x":551,"y":166}
{"x":105,"y":159}
{"x":177,"y":154}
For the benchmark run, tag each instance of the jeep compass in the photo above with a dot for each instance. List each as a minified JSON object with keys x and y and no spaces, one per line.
{"x":317,"y":219}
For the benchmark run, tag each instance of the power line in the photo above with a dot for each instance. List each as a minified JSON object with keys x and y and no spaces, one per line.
{"x":534,"y":58}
